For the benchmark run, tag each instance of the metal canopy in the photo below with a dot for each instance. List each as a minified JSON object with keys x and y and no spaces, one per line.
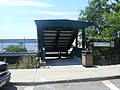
{"x":58,"y":35}
{"x":62,"y":23}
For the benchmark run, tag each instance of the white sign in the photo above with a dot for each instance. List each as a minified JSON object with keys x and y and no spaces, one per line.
{"x":112,"y":44}
{"x":102,"y":44}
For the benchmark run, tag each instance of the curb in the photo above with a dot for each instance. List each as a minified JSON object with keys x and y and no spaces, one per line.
{"x":66,"y":81}
{"x":23,"y":83}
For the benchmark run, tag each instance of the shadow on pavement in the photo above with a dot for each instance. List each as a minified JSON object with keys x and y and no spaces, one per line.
{"x":94,"y":66}
{"x":8,"y":86}
{"x":63,"y":62}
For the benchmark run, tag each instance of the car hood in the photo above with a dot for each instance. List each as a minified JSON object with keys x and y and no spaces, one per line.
{"x":3,"y":64}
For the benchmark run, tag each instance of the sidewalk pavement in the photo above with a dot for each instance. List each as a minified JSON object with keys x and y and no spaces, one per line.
{"x":59,"y":74}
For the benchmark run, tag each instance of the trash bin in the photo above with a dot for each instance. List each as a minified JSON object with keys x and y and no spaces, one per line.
{"x":87,"y":58}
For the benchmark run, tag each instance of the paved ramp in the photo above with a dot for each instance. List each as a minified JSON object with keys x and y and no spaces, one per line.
{"x":64,"y":62}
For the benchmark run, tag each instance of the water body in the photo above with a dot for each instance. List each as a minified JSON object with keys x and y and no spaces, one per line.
{"x":31,"y":47}
{"x":30,"y":44}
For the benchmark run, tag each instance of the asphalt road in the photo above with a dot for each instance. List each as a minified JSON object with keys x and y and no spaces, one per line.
{"x":96,"y":85}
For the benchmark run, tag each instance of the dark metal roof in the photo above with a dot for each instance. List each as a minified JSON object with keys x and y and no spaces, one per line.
{"x":63,"y":23}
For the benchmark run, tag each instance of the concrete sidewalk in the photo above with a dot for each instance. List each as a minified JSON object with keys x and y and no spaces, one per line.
{"x":57,"y":74}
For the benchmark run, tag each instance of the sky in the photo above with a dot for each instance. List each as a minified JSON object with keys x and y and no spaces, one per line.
{"x":17,"y":16}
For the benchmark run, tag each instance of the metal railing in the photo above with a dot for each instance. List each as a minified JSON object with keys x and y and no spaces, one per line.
{"x":16,"y":54}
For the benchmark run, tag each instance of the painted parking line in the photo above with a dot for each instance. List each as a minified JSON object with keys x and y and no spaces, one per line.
{"x":29,"y":88}
{"x":110,"y":85}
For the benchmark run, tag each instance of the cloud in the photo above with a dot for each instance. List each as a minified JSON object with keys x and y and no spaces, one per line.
{"x":40,"y":12}
{"x":24,"y":3}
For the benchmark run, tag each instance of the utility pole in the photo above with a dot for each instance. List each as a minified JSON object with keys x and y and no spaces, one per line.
{"x":24,"y":44}
{"x":2,"y":46}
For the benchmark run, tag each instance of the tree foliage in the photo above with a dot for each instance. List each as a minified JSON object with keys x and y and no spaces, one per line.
{"x":105,"y":15}
{"x":113,"y":22}
{"x":15,"y":48}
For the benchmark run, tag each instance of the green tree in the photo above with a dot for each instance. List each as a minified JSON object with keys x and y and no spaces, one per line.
{"x":95,"y":13}
{"x":15,"y":48}
{"x":105,"y":15}
{"x":113,"y":22}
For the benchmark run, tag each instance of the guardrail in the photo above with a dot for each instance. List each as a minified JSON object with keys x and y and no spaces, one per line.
{"x":16,"y":54}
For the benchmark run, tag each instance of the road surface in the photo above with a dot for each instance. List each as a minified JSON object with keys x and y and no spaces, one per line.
{"x":95,"y":85}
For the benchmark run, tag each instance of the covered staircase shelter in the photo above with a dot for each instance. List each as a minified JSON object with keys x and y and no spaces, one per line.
{"x":58,"y":36}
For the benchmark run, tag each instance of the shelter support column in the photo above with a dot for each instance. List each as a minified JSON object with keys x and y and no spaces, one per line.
{"x":41,"y":49}
{"x":76,"y":43}
{"x":83,"y":38}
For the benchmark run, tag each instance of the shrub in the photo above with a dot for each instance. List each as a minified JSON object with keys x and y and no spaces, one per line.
{"x":26,"y":62}
{"x":106,"y":56}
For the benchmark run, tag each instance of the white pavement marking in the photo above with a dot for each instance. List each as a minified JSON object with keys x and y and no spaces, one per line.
{"x":29,"y":88}
{"x":110,"y":85}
